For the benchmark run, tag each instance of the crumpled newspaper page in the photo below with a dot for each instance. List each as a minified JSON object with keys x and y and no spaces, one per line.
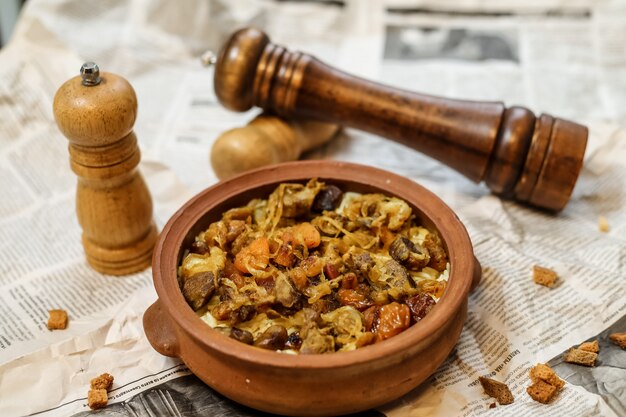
{"x":559,"y":57}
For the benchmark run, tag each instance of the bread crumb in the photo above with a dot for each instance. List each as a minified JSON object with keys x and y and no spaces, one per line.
{"x":104,"y":381}
{"x":546,"y":383}
{"x":603,"y":224}
{"x":57,"y":319}
{"x":542,"y":372}
{"x":592,"y":346}
{"x":580,"y":357}
{"x":619,"y":339}
{"x":497,"y":390}
{"x":492,"y":405}
{"x":541,"y":391}
{"x":97,"y":398}
{"x":544,"y":276}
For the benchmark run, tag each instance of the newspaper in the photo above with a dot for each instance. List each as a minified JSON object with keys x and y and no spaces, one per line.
{"x":562,"y":57}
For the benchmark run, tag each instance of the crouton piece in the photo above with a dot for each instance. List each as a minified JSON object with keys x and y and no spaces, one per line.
{"x":580,"y":357}
{"x":603,"y":224}
{"x":97,"y":398}
{"x":57,"y":319}
{"x":619,"y":339}
{"x":542,"y":372}
{"x":544,"y":276}
{"x":104,"y":381}
{"x":592,"y":346}
{"x":497,"y":390}
{"x":541,"y":391}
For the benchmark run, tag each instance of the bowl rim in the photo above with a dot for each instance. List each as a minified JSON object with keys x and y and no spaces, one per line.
{"x":450,"y":228}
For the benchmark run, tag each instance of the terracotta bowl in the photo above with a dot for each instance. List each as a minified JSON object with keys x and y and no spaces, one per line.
{"x":307,"y":385}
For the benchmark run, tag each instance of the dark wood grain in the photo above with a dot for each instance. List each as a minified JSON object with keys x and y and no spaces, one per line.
{"x":509,"y":149}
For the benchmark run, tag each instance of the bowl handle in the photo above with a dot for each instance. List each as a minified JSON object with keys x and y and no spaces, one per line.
{"x":158,"y":328}
{"x":478,"y":273}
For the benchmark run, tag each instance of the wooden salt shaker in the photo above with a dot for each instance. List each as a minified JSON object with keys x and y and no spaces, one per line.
{"x":528,"y":158}
{"x":96,"y":112}
{"x":266,"y":140}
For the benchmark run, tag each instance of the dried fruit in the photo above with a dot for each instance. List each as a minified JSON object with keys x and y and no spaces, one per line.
{"x":242,"y":336}
{"x":294,"y":341}
{"x":327,"y":199}
{"x":393,"y":319}
{"x":274,"y":338}
{"x":420,"y":305}
{"x":255,"y":256}
{"x":354,"y":299}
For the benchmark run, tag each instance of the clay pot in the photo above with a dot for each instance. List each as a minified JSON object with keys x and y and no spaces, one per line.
{"x":307,"y":385}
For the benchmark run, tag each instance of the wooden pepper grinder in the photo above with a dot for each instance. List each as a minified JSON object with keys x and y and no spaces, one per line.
{"x":266,"y":140}
{"x":531,"y":159}
{"x":96,"y":112}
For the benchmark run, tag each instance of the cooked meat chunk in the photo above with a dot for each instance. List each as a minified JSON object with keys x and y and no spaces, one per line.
{"x":198,"y":288}
{"x":412,"y":256}
{"x":399,"y":277}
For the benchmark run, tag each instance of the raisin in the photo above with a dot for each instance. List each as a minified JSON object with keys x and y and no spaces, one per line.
{"x":327,"y":199}
{"x":330,"y":271}
{"x":242,"y":336}
{"x":420,"y":305}
{"x":354,"y":299}
{"x":199,"y":247}
{"x":294,"y":341}
{"x":274,"y":338}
